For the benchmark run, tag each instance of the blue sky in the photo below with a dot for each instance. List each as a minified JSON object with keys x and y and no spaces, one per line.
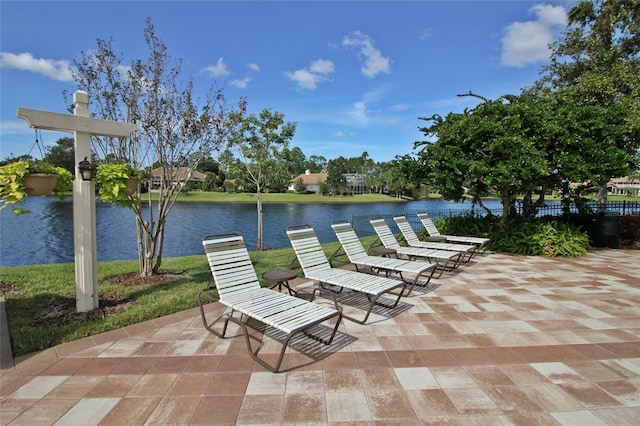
{"x":355,"y":76}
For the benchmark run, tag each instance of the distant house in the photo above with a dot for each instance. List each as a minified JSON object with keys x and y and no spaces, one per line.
{"x":178,"y":175}
{"x":311,"y":181}
{"x":623,"y":186}
{"x":356,"y":183}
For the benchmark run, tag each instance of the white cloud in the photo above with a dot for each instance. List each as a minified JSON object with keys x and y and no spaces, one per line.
{"x":322,"y":66}
{"x":343,"y":133}
{"x":358,"y":113}
{"x":241,"y":83}
{"x":55,"y":69}
{"x":425,"y":33}
{"x":399,"y":107}
{"x":373,"y":61}
{"x":528,"y":42}
{"x":254,"y":66}
{"x":391,"y":121}
{"x":309,"y":78}
{"x":218,"y":70}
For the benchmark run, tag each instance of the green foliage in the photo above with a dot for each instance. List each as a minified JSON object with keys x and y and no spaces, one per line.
{"x":62,"y":154}
{"x":336,"y":181}
{"x":540,"y":239}
{"x":113,"y":189}
{"x":466,"y":225}
{"x":597,"y":63}
{"x":528,"y":144}
{"x":12,"y":190}
{"x":630,"y":232}
{"x":300,"y":188}
{"x":262,"y":143}
{"x":402,"y":176}
{"x":534,"y":238}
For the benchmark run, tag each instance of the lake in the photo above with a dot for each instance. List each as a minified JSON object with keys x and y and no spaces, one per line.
{"x":46,"y":235}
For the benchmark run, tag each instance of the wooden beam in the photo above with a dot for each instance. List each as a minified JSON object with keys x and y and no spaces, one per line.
{"x":72,"y":123}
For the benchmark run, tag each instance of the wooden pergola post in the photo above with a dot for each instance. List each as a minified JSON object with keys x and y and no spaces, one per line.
{"x":84,"y":192}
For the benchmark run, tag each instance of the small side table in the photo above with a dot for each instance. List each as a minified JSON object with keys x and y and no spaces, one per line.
{"x":383,"y":251}
{"x":281,"y":278}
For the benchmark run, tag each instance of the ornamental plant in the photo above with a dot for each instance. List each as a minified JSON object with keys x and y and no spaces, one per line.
{"x":13,"y":191}
{"x":111,"y":178}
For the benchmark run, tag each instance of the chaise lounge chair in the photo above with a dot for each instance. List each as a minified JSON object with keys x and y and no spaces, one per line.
{"x":433,"y":232}
{"x":444,"y":259}
{"x":357,"y":255}
{"x":315,"y":266}
{"x":239,"y":289}
{"x":412,"y":240}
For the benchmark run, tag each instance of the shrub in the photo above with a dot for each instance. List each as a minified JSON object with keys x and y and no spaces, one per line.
{"x":543,"y":237}
{"x":630,"y":232}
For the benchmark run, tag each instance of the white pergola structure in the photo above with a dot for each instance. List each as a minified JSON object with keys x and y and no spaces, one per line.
{"x":84,"y":195}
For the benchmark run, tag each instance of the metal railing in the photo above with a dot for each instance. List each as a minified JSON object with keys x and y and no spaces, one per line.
{"x":618,"y":208}
{"x":362,"y":226}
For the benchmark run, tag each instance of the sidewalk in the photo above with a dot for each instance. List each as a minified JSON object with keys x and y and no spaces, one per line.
{"x":507,"y":340}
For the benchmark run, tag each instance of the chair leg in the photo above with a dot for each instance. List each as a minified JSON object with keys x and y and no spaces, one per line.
{"x":333,"y":333}
{"x":415,"y":281}
{"x":209,"y":326}
{"x":276,"y":368}
{"x":254,"y":355}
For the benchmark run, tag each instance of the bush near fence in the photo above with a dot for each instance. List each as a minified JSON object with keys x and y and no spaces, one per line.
{"x":630,"y":232}
{"x":552,"y":233}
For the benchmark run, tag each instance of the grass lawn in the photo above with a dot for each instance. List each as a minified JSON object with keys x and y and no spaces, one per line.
{"x":40,"y":299}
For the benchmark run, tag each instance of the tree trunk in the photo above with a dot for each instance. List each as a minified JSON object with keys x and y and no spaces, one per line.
{"x":147,"y":267}
{"x":140,"y":241}
{"x":259,"y":206}
{"x":158,"y":242}
{"x":602,"y":197}
{"x":508,"y":208}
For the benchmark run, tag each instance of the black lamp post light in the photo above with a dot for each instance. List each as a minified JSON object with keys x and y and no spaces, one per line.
{"x":87,"y":170}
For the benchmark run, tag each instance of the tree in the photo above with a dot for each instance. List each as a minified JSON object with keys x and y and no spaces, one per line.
{"x":336,"y":181}
{"x":316,"y":164}
{"x":261,"y":142}
{"x":295,"y":160}
{"x":404,"y":176}
{"x":597,"y":62}
{"x":483,"y":150}
{"x":208,"y":164}
{"x":62,"y":154}
{"x":525,"y":145}
{"x":175,"y":128}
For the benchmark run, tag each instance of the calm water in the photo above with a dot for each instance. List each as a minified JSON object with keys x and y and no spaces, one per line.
{"x":46,"y":235}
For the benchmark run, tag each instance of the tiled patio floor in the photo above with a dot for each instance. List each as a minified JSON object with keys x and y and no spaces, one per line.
{"x":507,"y":340}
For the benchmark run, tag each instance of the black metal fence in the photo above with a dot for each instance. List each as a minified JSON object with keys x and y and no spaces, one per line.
{"x":612,"y":208}
{"x":362,"y":226}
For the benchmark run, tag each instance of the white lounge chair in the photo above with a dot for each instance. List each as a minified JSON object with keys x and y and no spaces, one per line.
{"x":239,"y":289}
{"x":357,"y":255}
{"x":445,"y":259}
{"x":433,"y":232}
{"x":412,"y":240}
{"x":315,"y":266}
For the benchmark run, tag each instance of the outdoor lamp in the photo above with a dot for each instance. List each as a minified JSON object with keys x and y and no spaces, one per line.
{"x":86,"y":169}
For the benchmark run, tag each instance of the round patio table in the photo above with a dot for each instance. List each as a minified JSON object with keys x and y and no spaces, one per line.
{"x":281,"y":278}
